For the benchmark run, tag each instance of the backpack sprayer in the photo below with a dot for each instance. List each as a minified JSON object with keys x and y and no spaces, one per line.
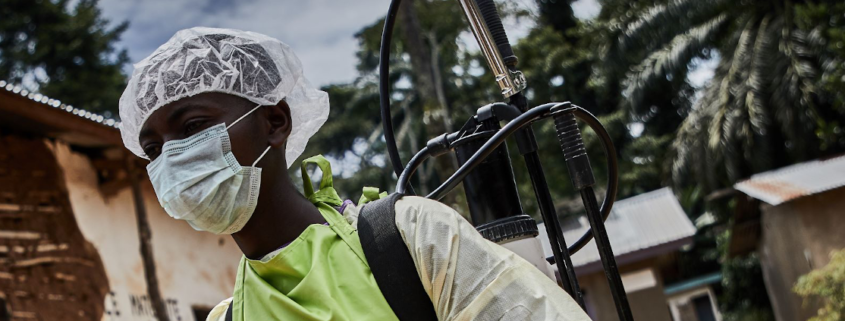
{"x":485,"y":166}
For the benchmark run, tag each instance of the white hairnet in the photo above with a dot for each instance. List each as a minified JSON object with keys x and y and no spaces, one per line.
{"x":241,"y":63}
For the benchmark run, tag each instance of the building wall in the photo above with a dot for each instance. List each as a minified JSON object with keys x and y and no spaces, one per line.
{"x":646,"y":304}
{"x":195,"y":269}
{"x":798,"y":237}
{"x":48,"y":271}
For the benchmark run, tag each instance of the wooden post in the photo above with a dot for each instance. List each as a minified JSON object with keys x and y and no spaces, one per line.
{"x":144,"y":237}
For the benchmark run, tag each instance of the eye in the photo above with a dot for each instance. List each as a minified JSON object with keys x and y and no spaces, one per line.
{"x":192,"y":125}
{"x":152,"y":151}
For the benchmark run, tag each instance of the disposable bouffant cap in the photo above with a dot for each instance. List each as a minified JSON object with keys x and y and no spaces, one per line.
{"x":246,"y":64}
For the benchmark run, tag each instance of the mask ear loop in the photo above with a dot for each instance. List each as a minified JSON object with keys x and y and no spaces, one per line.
{"x":262,"y":156}
{"x":239,"y":119}
{"x":242,"y":117}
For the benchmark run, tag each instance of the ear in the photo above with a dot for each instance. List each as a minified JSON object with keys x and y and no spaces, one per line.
{"x":279,"y":119}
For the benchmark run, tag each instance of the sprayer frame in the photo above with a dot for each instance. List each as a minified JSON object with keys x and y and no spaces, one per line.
{"x":527,"y":145}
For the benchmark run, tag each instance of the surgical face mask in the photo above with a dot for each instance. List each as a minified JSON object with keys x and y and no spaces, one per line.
{"x":198,"y":180}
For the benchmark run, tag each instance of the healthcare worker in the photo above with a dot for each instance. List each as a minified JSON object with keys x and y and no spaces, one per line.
{"x":221,"y":114}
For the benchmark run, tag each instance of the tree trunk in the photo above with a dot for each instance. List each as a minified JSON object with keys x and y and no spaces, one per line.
{"x":420,"y":57}
{"x":437,"y":80}
{"x":145,"y":237}
{"x":427,"y":83}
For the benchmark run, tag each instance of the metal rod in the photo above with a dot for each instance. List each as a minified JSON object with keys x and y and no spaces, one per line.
{"x":611,"y":270}
{"x":488,"y":48}
{"x":556,"y":240}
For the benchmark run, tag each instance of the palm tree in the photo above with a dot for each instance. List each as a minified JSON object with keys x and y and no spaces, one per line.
{"x":763,"y":108}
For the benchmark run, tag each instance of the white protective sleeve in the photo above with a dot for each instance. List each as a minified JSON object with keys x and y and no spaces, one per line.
{"x":471,"y":278}
{"x":218,"y":313}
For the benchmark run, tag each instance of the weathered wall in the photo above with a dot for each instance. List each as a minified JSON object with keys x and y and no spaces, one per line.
{"x":194,"y":268}
{"x":798,"y":237}
{"x":647,"y":304}
{"x":48,"y":271}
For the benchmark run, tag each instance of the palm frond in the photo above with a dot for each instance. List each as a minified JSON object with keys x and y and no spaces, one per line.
{"x":763,"y":108}
{"x":793,"y":91}
{"x":705,"y":139}
{"x":693,"y":160}
{"x":730,"y":87}
{"x":652,"y":30}
{"x":760,"y":75}
{"x":670,"y":58}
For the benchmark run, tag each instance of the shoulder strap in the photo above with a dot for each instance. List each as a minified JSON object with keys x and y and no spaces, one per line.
{"x":391,"y":263}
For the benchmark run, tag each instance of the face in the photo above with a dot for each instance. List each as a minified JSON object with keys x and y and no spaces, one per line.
{"x":266,"y":126}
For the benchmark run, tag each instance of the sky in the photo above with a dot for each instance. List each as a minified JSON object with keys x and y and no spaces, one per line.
{"x":319,"y":31}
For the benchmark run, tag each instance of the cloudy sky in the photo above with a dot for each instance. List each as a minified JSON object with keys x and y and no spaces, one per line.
{"x":320,"y":31}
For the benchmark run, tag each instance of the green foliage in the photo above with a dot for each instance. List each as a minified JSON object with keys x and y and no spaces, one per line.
{"x":766,"y":97}
{"x":743,"y":294}
{"x":825,"y":25}
{"x":776,"y":99}
{"x":353,"y":136}
{"x":642,"y":170}
{"x":828,"y":284}
{"x":69,"y":54}
{"x":559,"y":60}
{"x":558,"y":14}
{"x":464,"y":78}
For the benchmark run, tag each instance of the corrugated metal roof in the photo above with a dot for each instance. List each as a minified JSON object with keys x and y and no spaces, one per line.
{"x":55,"y":103}
{"x":637,"y":223}
{"x":799,"y":180}
{"x":692,"y":283}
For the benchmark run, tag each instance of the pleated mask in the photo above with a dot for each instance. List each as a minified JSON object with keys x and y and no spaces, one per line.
{"x":198,"y":180}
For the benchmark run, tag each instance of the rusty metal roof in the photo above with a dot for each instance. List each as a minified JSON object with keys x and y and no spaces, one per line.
{"x":25,"y":112}
{"x":55,"y":103}
{"x":639,"y":227}
{"x":795,"y":181}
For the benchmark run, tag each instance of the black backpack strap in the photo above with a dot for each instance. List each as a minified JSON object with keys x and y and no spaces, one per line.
{"x":391,"y":263}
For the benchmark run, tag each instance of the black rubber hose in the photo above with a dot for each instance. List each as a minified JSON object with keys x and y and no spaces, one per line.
{"x":494,"y":24}
{"x":384,"y":86}
{"x":488,"y":148}
{"x":405,"y":177}
{"x":523,"y":120}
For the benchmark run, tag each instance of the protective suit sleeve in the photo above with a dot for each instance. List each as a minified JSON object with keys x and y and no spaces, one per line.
{"x":470,"y":278}
{"x":218,"y":313}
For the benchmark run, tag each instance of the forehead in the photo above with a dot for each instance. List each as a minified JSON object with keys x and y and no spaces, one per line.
{"x":205,"y":103}
{"x":211,"y":100}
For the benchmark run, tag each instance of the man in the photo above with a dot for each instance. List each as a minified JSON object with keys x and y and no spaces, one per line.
{"x":210,"y":101}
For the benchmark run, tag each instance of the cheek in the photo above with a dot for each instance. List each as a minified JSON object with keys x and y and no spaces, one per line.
{"x":249,"y":139}
{"x":246,"y":155}
{"x":246,"y":147}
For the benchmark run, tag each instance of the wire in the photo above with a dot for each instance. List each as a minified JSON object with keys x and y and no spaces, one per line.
{"x":489,"y":146}
{"x":384,"y":86}
{"x":529,"y":116}
{"x":405,"y":177}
